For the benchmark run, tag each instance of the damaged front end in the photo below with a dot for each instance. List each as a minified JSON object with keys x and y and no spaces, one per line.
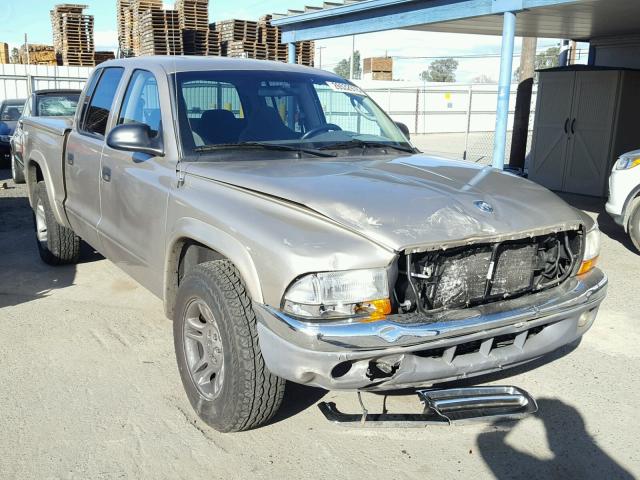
{"x":478,"y":274}
{"x":444,"y":313}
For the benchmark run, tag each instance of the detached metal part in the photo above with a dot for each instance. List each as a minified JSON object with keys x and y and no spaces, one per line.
{"x":444,"y":407}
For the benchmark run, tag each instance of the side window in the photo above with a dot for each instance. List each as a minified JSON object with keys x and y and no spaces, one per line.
{"x":97,"y":113}
{"x":142,"y":102}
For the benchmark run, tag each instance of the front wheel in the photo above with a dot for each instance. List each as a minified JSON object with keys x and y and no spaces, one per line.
{"x":57,"y":245}
{"x":16,"y":172}
{"x":217,"y":350}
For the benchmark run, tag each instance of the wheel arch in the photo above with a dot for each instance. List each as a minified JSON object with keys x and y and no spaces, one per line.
{"x":193,"y":242}
{"x":626,"y":210}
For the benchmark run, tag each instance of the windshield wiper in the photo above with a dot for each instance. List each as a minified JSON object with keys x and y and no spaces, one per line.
{"x":264,"y":145}
{"x":355,"y":143}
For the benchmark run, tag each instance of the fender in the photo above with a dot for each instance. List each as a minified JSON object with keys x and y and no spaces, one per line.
{"x":55,"y":192}
{"x":625,"y":209}
{"x":188,"y":228}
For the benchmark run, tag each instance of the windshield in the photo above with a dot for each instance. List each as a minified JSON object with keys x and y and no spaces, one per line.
{"x":267,"y":108}
{"x":10,"y":112}
{"x":59,"y":105}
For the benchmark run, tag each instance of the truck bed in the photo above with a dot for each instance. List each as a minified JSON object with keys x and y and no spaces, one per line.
{"x":45,"y":144}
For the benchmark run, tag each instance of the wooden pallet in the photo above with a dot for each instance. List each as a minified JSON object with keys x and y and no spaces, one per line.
{"x":102,"y":56}
{"x":237,"y":30}
{"x":159,"y":33}
{"x":194,"y":42}
{"x":193,"y":14}
{"x":73,"y":34}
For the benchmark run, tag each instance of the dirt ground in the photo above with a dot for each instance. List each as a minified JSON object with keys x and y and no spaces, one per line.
{"x":89,"y":389}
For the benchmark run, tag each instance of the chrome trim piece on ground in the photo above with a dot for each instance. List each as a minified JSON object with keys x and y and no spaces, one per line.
{"x":445,"y":407}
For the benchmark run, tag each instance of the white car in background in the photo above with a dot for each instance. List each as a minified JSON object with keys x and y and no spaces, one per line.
{"x":624,"y":195}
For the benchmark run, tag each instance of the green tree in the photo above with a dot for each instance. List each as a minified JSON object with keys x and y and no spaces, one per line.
{"x":343,"y":67}
{"x":547,"y":59}
{"x":441,"y":70}
{"x":15,"y":55}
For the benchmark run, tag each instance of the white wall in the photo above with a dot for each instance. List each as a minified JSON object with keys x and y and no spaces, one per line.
{"x":16,"y":81}
{"x":440,"y":107}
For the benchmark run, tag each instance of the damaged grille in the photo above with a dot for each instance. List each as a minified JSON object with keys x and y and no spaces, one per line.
{"x":479,"y":274}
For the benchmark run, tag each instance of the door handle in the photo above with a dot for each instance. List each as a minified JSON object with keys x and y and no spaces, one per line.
{"x":106,"y":174}
{"x":573,"y":127}
{"x":566,"y":124}
{"x":70,"y":158}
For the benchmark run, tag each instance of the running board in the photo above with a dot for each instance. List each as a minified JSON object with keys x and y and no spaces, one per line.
{"x":444,"y":407}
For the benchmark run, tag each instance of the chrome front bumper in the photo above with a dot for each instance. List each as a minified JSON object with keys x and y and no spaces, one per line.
{"x":424,"y":350}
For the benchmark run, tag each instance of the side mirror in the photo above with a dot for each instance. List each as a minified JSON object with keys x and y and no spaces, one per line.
{"x":404,"y":129}
{"x":135,"y":137}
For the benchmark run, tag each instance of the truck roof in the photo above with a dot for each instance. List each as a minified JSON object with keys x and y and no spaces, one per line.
{"x":173,"y":64}
{"x":47,"y":91}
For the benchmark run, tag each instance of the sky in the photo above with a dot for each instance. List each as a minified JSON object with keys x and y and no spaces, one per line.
{"x":32,"y":17}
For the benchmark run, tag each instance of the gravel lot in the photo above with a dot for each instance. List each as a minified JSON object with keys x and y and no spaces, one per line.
{"x":89,"y":389}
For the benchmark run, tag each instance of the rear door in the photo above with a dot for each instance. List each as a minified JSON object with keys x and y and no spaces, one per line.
{"x":84,"y":151}
{"x":135,"y":189}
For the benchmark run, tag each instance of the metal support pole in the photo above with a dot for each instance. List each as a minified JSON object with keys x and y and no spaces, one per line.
{"x":465,"y":155}
{"x":290,"y":100}
{"x":352,"y":61}
{"x":504,"y":89}
{"x":291,"y":57}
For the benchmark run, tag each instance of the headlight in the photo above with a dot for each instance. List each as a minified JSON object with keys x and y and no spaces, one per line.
{"x":627,"y":162}
{"x":5,"y":138}
{"x":591,"y":250}
{"x":330,"y":295}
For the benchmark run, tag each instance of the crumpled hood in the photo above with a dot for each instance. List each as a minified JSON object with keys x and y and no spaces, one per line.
{"x":403,"y":202}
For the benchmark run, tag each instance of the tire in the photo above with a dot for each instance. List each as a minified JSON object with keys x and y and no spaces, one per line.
{"x":633,"y":227}
{"x":57,"y":245}
{"x":236,"y":391}
{"x":16,"y":173}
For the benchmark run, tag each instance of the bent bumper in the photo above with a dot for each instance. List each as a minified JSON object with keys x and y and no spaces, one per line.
{"x":425,"y":350}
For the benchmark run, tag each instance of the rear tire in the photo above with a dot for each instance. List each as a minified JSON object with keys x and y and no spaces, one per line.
{"x":217,"y":350}
{"x":57,"y":245}
{"x":16,"y":173}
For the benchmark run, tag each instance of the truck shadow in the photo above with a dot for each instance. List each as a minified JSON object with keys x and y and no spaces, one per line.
{"x":575,"y":452}
{"x":23,"y":276}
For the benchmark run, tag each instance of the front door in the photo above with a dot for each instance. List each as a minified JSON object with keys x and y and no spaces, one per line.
{"x":84,"y":151}
{"x":135,"y":189}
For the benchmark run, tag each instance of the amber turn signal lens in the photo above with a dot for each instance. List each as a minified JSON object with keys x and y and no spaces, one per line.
{"x":381,"y":308}
{"x":587,"y":265}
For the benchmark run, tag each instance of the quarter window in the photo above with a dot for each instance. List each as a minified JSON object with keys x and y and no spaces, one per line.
{"x":97,"y":113}
{"x":141,"y":103}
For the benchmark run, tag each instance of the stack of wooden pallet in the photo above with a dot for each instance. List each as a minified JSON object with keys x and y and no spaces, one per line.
{"x":159,"y":32}
{"x":38,"y":54}
{"x":72,"y":35}
{"x":136,"y":9}
{"x":305,"y":51}
{"x":194,"y":25}
{"x":214,"y":47}
{"x":4,"y":53}
{"x":272,"y":38}
{"x":103,"y":56}
{"x":125,"y":27}
{"x":378,"y":68}
{"x":259,"y":40}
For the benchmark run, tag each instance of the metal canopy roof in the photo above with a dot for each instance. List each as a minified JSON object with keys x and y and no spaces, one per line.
{"x":575,"y":19}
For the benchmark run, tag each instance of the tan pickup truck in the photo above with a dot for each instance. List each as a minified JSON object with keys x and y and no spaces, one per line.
{"x":293,"y":232}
